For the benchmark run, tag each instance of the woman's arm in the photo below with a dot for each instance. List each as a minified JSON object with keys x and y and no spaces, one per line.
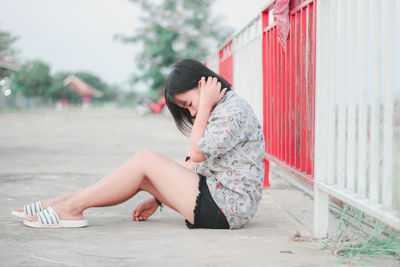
{"x":199,"y":126}
{"x":210,"y":95}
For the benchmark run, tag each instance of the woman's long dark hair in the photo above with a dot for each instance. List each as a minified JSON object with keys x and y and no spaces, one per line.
{"x":185,"y":76}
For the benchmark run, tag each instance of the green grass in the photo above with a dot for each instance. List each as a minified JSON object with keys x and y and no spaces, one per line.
{"x":355,"y":241}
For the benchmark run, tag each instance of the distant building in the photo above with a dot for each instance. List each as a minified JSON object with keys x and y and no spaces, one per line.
{"x":82,"y":88}
{"x":6,"y":65}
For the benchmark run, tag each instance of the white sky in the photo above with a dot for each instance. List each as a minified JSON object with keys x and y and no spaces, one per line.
{"x":77,"y":35}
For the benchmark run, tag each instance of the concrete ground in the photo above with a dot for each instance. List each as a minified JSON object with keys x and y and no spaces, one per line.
{"x":47,"y":152}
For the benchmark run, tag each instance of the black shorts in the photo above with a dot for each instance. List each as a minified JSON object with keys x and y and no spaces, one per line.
{"x":206,"y":213}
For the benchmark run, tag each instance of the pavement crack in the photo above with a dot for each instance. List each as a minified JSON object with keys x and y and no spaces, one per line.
{"x":103,"y":256}
{"x":56,"y":262}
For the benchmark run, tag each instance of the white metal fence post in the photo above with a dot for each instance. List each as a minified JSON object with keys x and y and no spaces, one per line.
{"x":321,"y":198}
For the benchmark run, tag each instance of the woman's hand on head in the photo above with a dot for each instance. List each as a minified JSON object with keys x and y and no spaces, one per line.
{"x":210,"y":92}
{"x":210,"y":95}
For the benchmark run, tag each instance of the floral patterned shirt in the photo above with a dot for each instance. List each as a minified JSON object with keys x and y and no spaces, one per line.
{"x":233,"y":144}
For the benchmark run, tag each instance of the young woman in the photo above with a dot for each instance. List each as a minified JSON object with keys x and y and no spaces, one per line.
{"x":220,"y":184}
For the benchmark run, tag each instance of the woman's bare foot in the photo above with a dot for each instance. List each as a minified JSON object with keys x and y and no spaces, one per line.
{"x":50,"y":202}
{"x":65,"y":211}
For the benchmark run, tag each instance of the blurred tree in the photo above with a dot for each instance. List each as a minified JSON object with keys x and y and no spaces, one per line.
{"x":7,"y":51}
{"x":131,"y":98}
{"x":33,"y":78}
{"x":172,"y":30}
{"x":112,"y":92}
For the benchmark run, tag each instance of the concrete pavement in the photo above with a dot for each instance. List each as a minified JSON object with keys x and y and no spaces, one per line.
{"x":46,"y":152}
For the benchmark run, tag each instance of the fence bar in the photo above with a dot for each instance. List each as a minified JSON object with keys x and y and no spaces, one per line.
{"x":302,"y":88}
{"x":272,"y":105}
{"x":374,"y":40}
{"x":279,"y":98}
{"x":342,"y":89}
{"x":351,"y":98}
{"x":310,"y":88}
{"x":267,"y":113}
{"x":271,"y":89}
{"x":270,"y":125}
{"x":287,"y":101}
{"x":321,"y":198}
{"x":266,"y":92}
{"x":331,"y":88}
{"x":314,"y":35}
{"x":396,"y":162}
{"x":297,"y":90}
{"x":292,"y":91}
{"x":275,"y":95}
{"x":284,"y":104}
{"x":362,"y":29}
{"x":388,"y":87}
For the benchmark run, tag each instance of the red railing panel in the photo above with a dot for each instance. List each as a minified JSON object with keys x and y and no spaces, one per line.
{"x":266,"y":119}
{"x":289,"y":92}
{"x":226,"y":62}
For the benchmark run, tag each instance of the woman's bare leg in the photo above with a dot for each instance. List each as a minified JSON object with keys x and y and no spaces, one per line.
{"x":146,"y":186}
{"x":171,"y":183}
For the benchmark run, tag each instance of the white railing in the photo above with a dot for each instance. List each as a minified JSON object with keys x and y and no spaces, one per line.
{"x":247,"y":65}
{"x":357,"y":102}
{"x":357,"y":116}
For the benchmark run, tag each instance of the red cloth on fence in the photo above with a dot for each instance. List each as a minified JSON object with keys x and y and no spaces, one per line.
{"x":281,"y":12}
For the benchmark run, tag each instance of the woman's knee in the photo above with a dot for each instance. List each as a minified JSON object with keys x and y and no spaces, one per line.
{"x":143,"y":155}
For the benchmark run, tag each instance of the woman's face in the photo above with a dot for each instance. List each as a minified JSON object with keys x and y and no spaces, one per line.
{"x":189,"y":100}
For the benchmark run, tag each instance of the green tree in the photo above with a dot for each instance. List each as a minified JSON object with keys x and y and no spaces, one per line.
{"x":172,"y":30}
{"x":33,"y":78}
{"x":7,"y":51}
{"x":7,"y":40}
{"x":112,"y":92}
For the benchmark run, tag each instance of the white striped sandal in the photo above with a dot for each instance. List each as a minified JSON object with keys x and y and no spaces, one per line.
{"x":48,"y":218}
{"x":29,"y":210}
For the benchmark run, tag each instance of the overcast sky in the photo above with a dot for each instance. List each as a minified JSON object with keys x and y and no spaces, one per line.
{"x":77,"y":35}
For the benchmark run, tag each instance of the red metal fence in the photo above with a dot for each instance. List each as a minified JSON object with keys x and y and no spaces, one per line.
{"x":226,"y":62}
{"x":289,"y":86}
